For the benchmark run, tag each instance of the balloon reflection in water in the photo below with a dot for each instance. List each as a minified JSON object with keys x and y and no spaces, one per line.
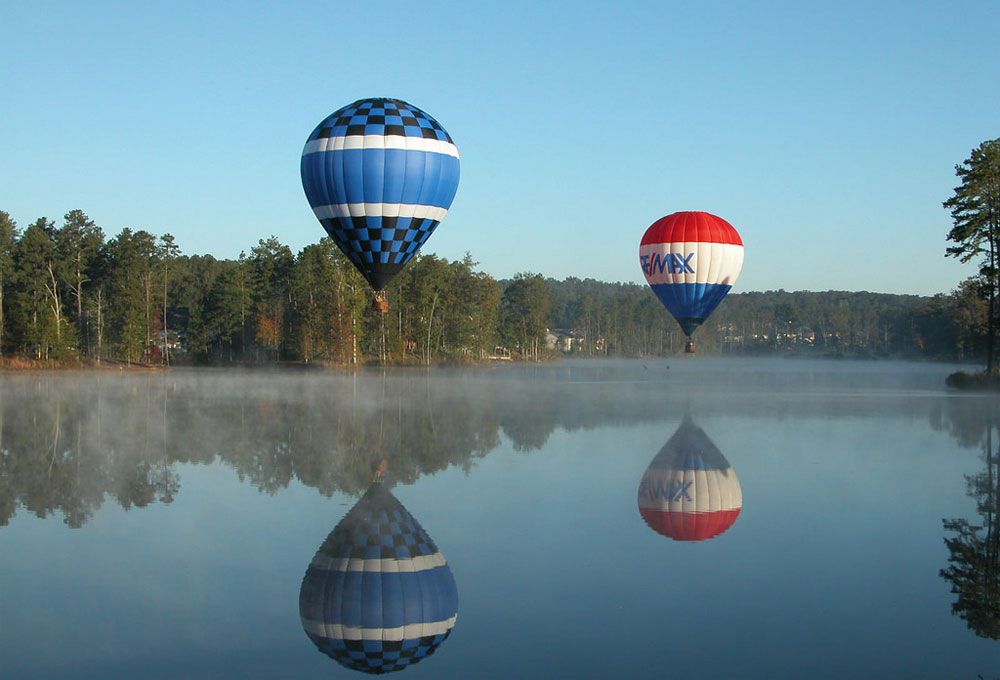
{"x":378,"y":596}
{"x":690,"y":492}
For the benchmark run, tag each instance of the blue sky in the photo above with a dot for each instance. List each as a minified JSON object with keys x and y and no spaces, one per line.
{"x":827,"y":133}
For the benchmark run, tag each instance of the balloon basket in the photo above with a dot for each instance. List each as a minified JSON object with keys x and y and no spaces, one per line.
{"x":690,"y":347}
{"x":381,"y":303}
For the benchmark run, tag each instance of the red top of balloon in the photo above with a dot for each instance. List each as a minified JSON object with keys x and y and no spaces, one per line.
{"x":691,"y":227}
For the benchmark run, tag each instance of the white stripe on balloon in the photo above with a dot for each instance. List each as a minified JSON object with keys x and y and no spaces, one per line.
{"x":718,"y":263}
{"x":380,"y":142}
{"x":337,"y":631}
{"x":385,"y":566}
{"x":690,"y":490}
{"x":427,"y":212}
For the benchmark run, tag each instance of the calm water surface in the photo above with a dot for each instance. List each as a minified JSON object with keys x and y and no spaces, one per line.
{"x":160,"y":526}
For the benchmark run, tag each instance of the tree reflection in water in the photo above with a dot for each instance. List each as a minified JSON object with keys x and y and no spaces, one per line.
{"x":68,"y":442}
{"x":974,"y":548}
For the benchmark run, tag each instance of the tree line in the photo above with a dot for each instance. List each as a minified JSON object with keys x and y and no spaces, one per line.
{"x":69,"y":293}
{"x":627,"y":320}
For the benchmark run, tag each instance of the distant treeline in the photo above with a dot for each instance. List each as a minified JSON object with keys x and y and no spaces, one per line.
{"x":67,"y":292}
{"x":627,"y":320}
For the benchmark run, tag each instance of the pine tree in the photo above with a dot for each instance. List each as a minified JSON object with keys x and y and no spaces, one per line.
{"x":167,"y":251}
{"x":975,"y":211}
{"x":78,"y":243}
{"x":8,"y":241}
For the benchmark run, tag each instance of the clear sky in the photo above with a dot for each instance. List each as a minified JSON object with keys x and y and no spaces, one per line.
{"x":827,"y":133}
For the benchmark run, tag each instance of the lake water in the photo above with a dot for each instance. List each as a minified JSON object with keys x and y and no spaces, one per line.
{"x":161,"y":525}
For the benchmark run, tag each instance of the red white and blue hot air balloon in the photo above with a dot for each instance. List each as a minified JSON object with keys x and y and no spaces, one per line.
{"x":690,"y":492}
{"x":691,"y":260}
{"x":380,"y":175}
{"x":378,"y":596}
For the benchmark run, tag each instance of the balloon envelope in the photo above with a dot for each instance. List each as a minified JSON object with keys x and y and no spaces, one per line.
{"x":691,"y":260}
{"x":378,"y":596}
{"x":690,"y":492}
{"x":380,"y":175}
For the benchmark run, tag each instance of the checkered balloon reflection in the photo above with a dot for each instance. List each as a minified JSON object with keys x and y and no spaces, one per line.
{"x":378,"y":596}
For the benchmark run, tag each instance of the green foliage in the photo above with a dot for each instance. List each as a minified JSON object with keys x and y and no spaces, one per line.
{"x":329,"y":299}
{"x":975,"y":205}
{"x":131,"y":266}
{"x":78,"y":245}
{"x":136,"y":298}
{"x":524,"y":314}
{"x":8,"y":242}
{"x":41,"y":327}
{"x":975,"y":213}
{"x":270,"y":272}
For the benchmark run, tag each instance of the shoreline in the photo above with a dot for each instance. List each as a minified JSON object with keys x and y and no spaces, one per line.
{"x":963,"y":380}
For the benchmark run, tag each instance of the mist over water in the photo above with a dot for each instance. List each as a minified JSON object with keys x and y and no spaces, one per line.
{"x":159,"y":525}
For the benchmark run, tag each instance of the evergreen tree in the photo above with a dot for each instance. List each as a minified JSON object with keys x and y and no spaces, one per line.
{"x":329,"y":302}
{"x":228,"y":304}
{"x":194,"y":280}
{"x":270,"y":269}
{"x":167,"y":252}
{"x":78,"y":243}
{"x":45,"y":330}
{"x":130,"y":267}
{"x":524,"y":313}
{"x":8,"y":243}
{"x":975,"y":211}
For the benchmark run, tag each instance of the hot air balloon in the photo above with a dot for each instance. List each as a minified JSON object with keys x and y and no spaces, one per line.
{"x":380,"y":175}
{"x":691,"y":260}
{"x":689,"y":492}
{"x":378,"y":596}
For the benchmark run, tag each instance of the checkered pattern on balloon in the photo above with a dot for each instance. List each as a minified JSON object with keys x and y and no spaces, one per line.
{"x":380,"y":175}
{"x":378,"y":596}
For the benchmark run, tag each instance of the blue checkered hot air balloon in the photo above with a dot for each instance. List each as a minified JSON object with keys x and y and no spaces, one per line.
{"x":378,"y":596}
{"x":380,"y":175}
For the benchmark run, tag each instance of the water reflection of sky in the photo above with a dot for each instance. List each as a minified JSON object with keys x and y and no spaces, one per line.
{"x":832,"y":568}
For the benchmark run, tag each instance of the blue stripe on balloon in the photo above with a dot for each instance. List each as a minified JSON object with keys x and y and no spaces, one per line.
{"x":392,"y":191}
{"x":373,"y":615}
{"x":380,"y":176}
{"x":351,"y":599}
{"x":691,"y":300}
{"x":373,"y":174}
{"x":432,"y":178}
{"x":379,"y":600}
